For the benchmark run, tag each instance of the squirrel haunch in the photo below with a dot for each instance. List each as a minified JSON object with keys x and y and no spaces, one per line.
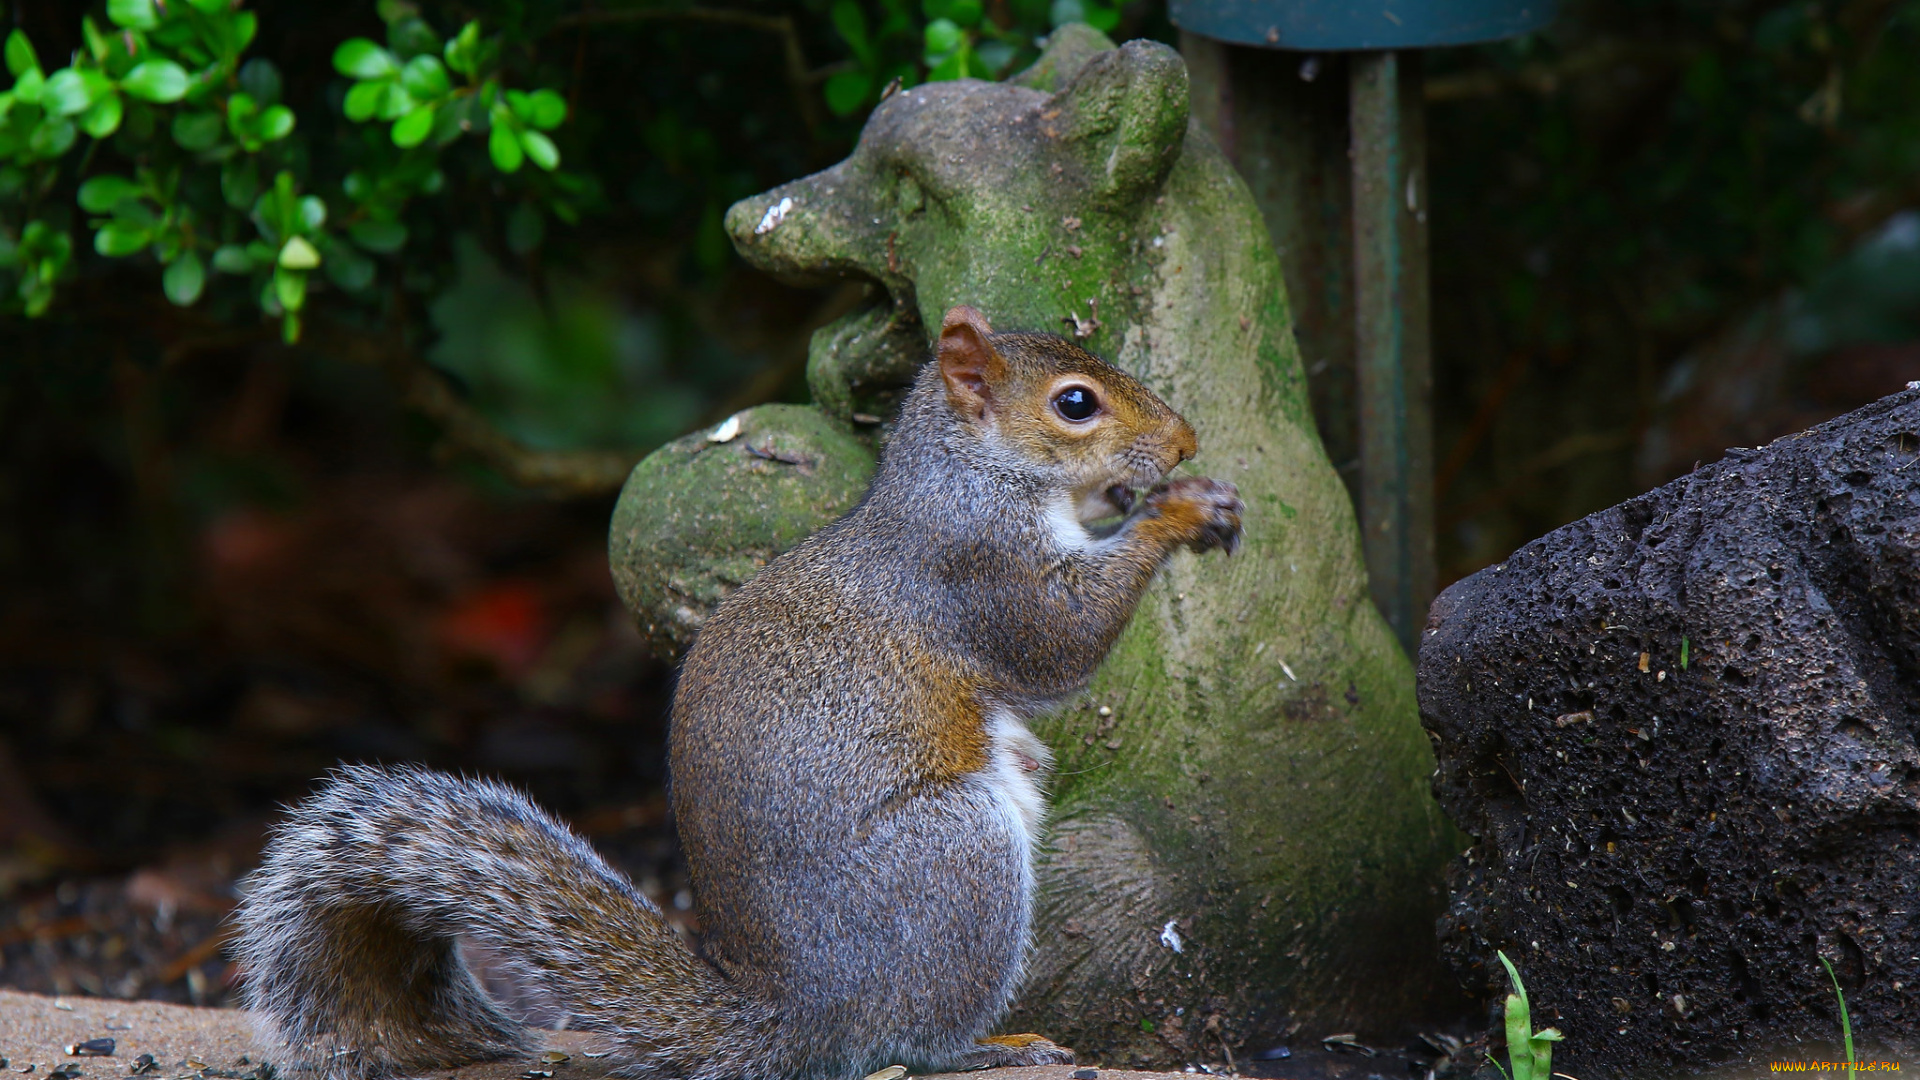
{"x":857,"y":791}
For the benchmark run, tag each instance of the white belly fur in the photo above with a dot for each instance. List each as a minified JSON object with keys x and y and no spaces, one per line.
{"x":1016,"y":761}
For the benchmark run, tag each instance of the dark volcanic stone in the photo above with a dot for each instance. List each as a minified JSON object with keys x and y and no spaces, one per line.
{"x":1683,"y":733}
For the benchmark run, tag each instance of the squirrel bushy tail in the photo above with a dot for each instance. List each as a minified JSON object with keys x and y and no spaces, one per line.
{"x":350,"y":937}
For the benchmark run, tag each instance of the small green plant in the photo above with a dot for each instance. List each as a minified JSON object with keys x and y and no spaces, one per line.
{"x":1529,"y":1052}
{"x":1846,"y":1024}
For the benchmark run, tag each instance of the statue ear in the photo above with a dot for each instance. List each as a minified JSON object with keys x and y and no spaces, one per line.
{"x":1068,"y":49}
{"x":968,"y":364}
{"x":1127,"y":111}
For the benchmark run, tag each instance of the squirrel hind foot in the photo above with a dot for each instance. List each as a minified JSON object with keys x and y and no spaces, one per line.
{"x":1010,"y":1051}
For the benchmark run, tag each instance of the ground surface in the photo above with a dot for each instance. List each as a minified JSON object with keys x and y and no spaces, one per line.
{"x":189,"y":1043}
{"x":38,"y":1030}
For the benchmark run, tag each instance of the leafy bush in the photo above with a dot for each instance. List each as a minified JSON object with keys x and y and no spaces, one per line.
{"x":211,"y":156}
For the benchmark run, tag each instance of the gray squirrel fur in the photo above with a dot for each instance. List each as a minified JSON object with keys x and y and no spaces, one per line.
{"x":855,"y":787}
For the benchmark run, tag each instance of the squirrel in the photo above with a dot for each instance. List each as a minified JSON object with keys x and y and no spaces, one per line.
{"x":857,"y":792}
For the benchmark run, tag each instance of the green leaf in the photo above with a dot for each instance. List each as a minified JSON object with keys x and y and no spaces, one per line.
{"x":364,"y":100}
{"x":953,"y":67}
{"x":993,"y":57}
{"x":97,"y":44}
{"x":51,"y":137}
{"x":213,"y":7}
{"x":158,"y":81}
{"x":847,"y":90}
{"x":27,"y":90}
{"x":1066,"y":11}
{"x":283,"y":191}
{"x":276,"y":123}
{"x":1104,"y":17}
{"x":312,"y":212}
{"x":298,"y":254}
{"x":852,"y":24}
{"x":411,"y":130}
{"x":1519,"y":1026}
{"x":526,"y":228}
{"x":243,"y":119}
{"x":505,"y":148}
{"x":463,"y":52}
{"x":290,"y":286}
{"x":965,"y":12}
{"x":66,"y":93}
{"x":136,"y":212}
{"x":396,"y":102}
{"x":38,"y":296}
{"x":425,"y":77}
{"x":184,"y":278}
{"x":20,"y":56}
{"x":198,"y":131}
{"x":358,"y":58}
{"x":232,"y":259}
{"x":245,"y":25}
{"x":349,"y":269}
{"x":455,"y":117}
{"x":411,"y":36}
{"x":549,"y":110}
{"x":118,"y":238}
{"x":104,"y":118}
{"x":944,"y":36}
{"x":133,"y":14}
{"x":260,"y":78}
{"x":100,"y":194}
{"x":521,"y":103}
{"x":541,"y":150}
{"x":1519,"y":1047}
{"x":385,"y":237}
{"x":1541,"y":1044}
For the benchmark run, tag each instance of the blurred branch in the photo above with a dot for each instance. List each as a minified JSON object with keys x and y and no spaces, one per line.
{"x":466,"y":429}
{"x":801,"y":77}
{"x":1548,"y":78}
{"x":1572,"y":448}
{"x":1481,"y":425}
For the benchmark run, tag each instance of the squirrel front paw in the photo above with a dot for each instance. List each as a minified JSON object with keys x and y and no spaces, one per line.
{"x":1204,"y":512}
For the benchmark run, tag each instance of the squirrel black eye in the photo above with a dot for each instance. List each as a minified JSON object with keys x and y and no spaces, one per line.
{"x":1076,"y":403}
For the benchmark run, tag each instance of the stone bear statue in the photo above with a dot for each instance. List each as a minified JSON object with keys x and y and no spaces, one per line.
{"x":1242,"y":838}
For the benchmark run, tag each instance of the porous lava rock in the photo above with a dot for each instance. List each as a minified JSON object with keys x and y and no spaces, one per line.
{"x":1682,"y":732}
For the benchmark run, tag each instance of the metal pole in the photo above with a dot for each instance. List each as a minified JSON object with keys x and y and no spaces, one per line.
{"x":1392,"y":341}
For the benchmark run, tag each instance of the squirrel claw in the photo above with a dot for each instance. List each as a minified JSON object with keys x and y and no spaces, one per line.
{"x":1210,"y":508}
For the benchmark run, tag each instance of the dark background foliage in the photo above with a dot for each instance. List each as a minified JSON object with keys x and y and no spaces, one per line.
{"x":227,"y":562}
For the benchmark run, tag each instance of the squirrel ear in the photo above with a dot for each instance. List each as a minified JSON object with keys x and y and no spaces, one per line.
{"x":968,"y":364}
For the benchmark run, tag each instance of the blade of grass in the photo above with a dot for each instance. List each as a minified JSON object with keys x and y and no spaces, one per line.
{"x":1846,"y":1025}
{"x":1519,"y":1016}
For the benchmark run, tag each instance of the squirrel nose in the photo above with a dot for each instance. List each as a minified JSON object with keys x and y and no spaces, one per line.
{"x":1183,"y":440}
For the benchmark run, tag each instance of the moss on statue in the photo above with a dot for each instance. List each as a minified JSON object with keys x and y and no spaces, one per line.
{"x":1243,"y":837}
{"x":698,"y":517}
